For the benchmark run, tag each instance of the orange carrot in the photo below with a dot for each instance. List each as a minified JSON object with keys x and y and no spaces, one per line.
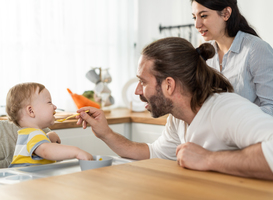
{"x":82,"y":101}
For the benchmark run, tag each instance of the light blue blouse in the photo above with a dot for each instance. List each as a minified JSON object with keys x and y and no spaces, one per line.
{"x":248,"y":65}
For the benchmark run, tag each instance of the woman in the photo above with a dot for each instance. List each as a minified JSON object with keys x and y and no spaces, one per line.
{"x":241,"y":56}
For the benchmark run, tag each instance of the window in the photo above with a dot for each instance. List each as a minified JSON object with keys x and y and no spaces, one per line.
{"x":55,"y":42}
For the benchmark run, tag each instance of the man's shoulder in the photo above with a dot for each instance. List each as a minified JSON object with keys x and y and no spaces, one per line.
{"x":227,"y":103}
{"x":226,"y":98}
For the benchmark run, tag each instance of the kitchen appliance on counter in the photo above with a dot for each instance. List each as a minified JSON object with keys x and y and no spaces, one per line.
{"x":101,"y":78}
{"x":131,"y":100}
{"x":2,"y":111}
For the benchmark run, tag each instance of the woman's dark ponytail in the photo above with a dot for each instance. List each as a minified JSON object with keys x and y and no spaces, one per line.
{"x":237,"y":22}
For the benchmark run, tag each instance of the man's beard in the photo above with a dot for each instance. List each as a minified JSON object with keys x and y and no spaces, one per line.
{"x":159,"y":104}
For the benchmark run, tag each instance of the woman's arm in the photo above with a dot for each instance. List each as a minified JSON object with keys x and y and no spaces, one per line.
{"x":261,"y":68}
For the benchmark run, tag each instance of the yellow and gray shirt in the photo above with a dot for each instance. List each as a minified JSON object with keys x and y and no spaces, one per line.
{"x":28,"y":140}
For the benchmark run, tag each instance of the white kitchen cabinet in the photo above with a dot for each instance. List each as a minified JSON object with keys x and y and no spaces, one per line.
{"x":146,"y":133}
{"x":86,"y":140}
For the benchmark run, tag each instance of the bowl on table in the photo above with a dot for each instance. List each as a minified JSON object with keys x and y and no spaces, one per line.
{"x":99,"y":161}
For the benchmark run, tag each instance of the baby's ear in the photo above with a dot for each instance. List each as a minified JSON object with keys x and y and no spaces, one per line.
{"x":30,"y":111}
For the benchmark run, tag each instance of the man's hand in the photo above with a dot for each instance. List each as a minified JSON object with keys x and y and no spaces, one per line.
{"x":118,"y":143}
{"x":96,"y":119}
{"x":53,"y":137}
{"x":247,"y":162}
{"x":193,"y":156}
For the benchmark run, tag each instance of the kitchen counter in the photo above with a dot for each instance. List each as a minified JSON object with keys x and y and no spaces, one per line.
{"x":116,"y":116}
{"x":146,"y":179}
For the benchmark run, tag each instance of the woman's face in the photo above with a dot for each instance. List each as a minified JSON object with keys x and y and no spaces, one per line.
{"x":208,"y":22}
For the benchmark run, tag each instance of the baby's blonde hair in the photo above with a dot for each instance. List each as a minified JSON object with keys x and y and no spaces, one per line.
{"x":17,"y":97}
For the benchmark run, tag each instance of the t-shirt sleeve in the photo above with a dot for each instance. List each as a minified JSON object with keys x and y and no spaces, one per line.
{"x":35,"y":139}
{"x":165,"y":146}
{"x":244,"y":124}
{"x":267,"y":148}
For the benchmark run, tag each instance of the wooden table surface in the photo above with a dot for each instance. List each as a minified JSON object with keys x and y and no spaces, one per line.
{"x":147,"y":179}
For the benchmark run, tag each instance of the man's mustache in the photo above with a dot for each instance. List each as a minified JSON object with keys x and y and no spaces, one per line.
{"x":142,"y":98}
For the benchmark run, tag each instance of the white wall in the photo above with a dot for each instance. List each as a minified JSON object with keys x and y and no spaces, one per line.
{"x":258,"y":15}
{"x":177,"y":12}
{"x":152,"y":13}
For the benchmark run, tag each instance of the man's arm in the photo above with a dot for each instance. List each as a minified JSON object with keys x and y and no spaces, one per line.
{"x":248,"y":162}
{"x":126,"y":148}
{"x":118,"y":143}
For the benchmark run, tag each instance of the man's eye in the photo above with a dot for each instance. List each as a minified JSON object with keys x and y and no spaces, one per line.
{"x":203,"y":16}
{"x":194,"y":18}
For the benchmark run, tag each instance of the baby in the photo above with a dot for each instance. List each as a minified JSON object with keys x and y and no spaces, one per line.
{"x":29,"y":106}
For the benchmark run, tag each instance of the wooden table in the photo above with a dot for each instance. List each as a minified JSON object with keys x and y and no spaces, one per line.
{"x":147,"y":179}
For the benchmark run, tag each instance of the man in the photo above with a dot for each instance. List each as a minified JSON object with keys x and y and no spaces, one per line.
{"x":209,"y":128}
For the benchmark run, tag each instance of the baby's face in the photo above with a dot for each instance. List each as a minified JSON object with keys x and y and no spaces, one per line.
{"x":43,"y":108}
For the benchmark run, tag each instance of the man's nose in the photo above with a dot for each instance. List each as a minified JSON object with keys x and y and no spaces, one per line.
{"x":138,"y":90}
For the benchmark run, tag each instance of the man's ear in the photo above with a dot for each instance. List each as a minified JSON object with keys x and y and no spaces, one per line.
{"x":30,"y":111}
{"x":226,"y":13}
{"x":169,"y":86}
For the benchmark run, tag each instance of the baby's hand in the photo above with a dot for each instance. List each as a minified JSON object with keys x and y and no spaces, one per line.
{"x":83,"y":155}
{"x":53,"y":137}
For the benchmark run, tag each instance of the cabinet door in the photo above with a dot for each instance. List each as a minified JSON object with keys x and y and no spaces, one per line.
{"x":100,"y":148}
{"x":87,"y":141}
{"x":146,"y":133}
